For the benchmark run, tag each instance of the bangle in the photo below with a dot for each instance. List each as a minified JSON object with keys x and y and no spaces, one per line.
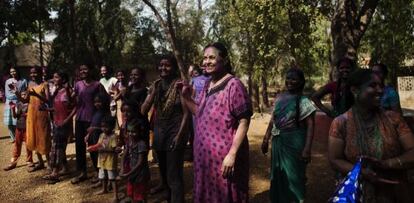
{"x":399,"y":161}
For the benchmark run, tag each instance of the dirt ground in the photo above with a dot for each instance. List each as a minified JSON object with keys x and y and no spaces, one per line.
{"x":18,"y":185}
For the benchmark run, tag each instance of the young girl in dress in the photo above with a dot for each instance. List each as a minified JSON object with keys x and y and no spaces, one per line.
{"x":135,"y":159}
{"x":101,"y":103}
{"x":107,"y":159}
{"x":63,"y":111}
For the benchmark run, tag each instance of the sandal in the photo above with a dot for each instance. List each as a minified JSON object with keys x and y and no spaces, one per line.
{"x":78,"y":179}
{"x":30,"y":164}
{"x":36,"y":168}
{"x":48,"y":177}
{"x":10,"y":166}
{"x":53,"y":180}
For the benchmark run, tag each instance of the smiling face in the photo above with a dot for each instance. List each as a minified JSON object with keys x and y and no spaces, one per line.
{"x":135,"y":76}
{"x":57,"y":80}
{"x":369,"y":93}
{"x":13,"y":73}
{"x":104,"y":71}
{"x":293,"y":82}
{"x":34,"y":74}
{"x":213,"y":63}
{"x":165,"y":68}
{"x":120,"y":76}
{"x":83,"y":72}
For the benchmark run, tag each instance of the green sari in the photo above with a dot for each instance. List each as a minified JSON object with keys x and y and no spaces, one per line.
{"x":288,"y":171}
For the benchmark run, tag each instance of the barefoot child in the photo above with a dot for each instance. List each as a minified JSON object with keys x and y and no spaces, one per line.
{"x":135,"y":167}
{"x":19,"y":112}
{"x":101,"y":104}
{"x":107,"y":158}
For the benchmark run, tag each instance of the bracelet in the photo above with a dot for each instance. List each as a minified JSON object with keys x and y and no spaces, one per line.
{"x":399,"y":161}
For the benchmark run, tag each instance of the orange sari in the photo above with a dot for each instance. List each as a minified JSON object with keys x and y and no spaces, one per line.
{"x":37,"y":123}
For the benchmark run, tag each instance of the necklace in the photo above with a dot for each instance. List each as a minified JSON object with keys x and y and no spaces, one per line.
{"x":369,"y":137}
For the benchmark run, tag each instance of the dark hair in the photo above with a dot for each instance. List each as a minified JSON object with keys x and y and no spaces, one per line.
{"x":88,"y":64}
{"x":109,"y":69}
{"x":384,"y":68}
{"x":352,"y":63}
{"x":359,"y":77}
{"x":197,"y":69}
{"x":38,"y":70}
{"x":140,"y":71}
{"x":92,"y":73}
{"x":104,"y":98}
{"x":349,"y":99}
{"x":173,"y":61}
{"x":223,"y":53}
{"x":132,"y":104}
{"x":301,"y":76}
{"x":120,"y":71}
{"x":109,"y":121}
{"x":65,"y":79}
{"x":63,"y":75}
{"x":17,"y":72}
{"x":141,"y":126}
{"x":143,"y":81}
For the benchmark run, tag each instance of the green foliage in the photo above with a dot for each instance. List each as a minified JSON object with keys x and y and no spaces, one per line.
{"x":264,"y":37}
{"x":95,"y":31}
{"x":390,"y":36}
{"x":271,"y":36}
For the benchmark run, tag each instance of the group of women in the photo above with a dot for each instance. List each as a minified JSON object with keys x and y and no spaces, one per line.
{"x":367,"y":124}
{"x":221,"y":114}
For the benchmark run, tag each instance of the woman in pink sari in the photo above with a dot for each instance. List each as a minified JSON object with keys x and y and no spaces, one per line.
{"x":221,"y":148}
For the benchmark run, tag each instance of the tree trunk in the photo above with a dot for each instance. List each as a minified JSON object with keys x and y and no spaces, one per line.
{"x":40,"y":35}
{"x":170,"y":34}
{"x":253,"y":89}
{"x":40,"y":45}
{"x":256,"y":98}
{"x":265,"y":96}
{"x":250,"y":83}
{"x":73,"y":31}
{"x":348,"y":26}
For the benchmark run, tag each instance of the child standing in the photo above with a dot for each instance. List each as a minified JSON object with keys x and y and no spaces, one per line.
{"x":63,"y":111}
{"x":135,"y":167}
{"x":101,"y":103}
{"x":19,"y":112}
{"x":107,"y":159}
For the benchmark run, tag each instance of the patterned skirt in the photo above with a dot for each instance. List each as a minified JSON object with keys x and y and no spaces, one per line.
{"x":59,"y":143}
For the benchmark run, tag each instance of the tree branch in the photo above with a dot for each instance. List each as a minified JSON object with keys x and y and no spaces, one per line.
{"x":169,"y":19}
{"x":157,"y":14}
{"x":169,"y":32}
{"x":365,"y":16}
